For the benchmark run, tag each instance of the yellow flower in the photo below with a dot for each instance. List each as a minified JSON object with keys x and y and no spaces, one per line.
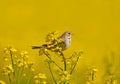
{"x":13,"y":49}
{"x":36,"y":81}
{"x":4,"y":71}
{"x":24,"y":54}
{"x":32,"y":69}
{"x":114,"y":82}
{"x":68,"y":77}
{"x":6,"y":50}
{"x":65,"y":72}
{"x":24,"y":75}
{"x":48,"y":42}
{"x":20,"y":64}
{"x":42,"y":76}
{"x":52,"y":38}
{"x":95,"y":70}
{"x":59,"y":53}
{"x":15,"y":56}
{"x":10,"y":68}
{"x":25,"y":64}
{"x":35,"y":77}
{"x":46,"y":50}
{"x":9,"y":49}
{"x":70,"y":61}
{"x":59,"y":48}
{"x":44,"y":82}
{"x":5,"y":59}
{"x":88,"y":82}
{"x":60,"y":40}
{"x":52,"y":49}
{"x":2,"y":82}
{"x":56,"y":33}
{"x":7,"y":70}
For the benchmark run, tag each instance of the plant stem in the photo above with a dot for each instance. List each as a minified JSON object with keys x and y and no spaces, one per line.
{"x":64,"y":59}
{"x":30,"y":75}
{"x":54,"y":62}
{"x":12,"y":62}
{"x":74,"y":65}
{"x":9,"y":78}
{"x":40,"y":81}
{"x":51,"y":73}
{"x":20,"y":74}
{"x":65,"y":65}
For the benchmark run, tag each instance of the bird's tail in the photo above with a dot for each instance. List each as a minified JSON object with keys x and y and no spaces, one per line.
{"x":36,"y":47}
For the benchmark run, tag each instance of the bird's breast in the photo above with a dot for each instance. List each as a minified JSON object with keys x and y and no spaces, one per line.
{"x":67,"y":42}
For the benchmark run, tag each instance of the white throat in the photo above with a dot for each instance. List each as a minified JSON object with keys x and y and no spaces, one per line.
{"x":67,"y":42}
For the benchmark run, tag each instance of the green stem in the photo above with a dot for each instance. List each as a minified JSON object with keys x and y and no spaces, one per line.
{"x":54,"y":62}
{"x":21,"y":72}
{"x":65,"y":64}
{"x":29,"y":77}
{"x":28,"y":81}
{"x":20,"y":75}
{"x":12,"y":62}
{"x":64,"y":59}
{"x":51,"y":73}
{"x":9,"y":78}
{"x":92,"y":75}
{"x":74,"y":65}
{"x":40,"y":81}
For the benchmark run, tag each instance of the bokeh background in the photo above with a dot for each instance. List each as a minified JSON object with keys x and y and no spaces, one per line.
{"x":95,"y":25}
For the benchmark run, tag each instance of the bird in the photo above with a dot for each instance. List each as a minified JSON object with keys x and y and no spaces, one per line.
{"x":65,"y":44}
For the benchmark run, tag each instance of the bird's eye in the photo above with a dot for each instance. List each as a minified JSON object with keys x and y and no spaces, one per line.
{"x":68,"y":32}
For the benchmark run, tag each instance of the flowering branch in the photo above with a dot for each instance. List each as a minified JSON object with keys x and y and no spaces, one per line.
{"x":51,"y":72}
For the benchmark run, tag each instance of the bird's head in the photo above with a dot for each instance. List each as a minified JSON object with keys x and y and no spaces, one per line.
{"x":67,"y":35}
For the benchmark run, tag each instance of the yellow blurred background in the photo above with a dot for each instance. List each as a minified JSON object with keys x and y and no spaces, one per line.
{"x":95,"y":24}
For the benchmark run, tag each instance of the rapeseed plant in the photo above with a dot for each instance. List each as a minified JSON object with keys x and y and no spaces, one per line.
{"x":91,"y":76}
{"x":54,"y":45}
{"x":40,"y":78}
{"x":19,"y":69}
